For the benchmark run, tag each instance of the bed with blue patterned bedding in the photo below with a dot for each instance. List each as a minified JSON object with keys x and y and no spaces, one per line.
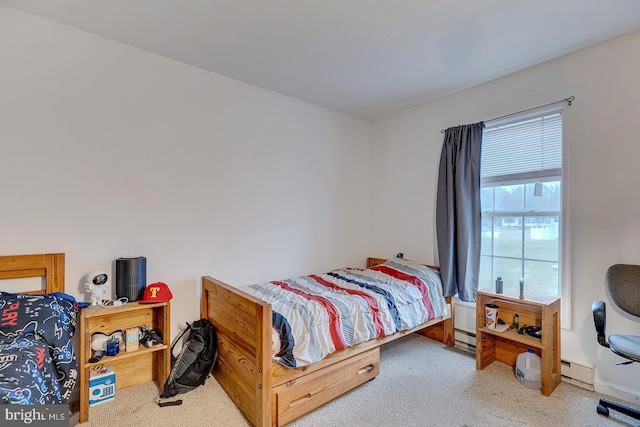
{"x":37,"y":360}
{"x":314,"y":316}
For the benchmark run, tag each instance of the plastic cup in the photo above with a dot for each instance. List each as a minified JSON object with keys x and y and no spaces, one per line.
{"x":491,"y":315}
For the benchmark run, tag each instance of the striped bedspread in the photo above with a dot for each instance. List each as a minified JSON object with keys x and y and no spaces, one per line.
{"x":316,"y":315}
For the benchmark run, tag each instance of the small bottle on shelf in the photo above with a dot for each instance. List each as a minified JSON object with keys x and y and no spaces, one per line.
{"x":499,"y":285}
{"x":516,"y":321}
{"x":522,"y":288}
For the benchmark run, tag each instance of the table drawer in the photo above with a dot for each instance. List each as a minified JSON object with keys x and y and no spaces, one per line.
{"x":300,"y":396}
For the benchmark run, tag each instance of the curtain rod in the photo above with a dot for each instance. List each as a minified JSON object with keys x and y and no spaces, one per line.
{"x":568,"y":100}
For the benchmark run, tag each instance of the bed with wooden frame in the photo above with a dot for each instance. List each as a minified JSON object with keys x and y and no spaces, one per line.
{"x":269,"y":394}
{"x":50,"y":268}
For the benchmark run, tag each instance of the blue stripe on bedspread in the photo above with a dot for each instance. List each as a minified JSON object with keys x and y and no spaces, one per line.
{"x":285,"y":338}
{"x":391,"y":303}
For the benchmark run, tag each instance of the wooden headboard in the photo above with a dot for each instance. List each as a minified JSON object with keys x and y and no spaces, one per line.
{"x":49,"y":266}
{"x":376,"y":261}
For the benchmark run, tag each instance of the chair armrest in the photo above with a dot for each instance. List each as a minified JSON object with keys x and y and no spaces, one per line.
{"x":600,"y":320}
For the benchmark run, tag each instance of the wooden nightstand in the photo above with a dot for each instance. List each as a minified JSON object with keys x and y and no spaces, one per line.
{"x":505,"y":346}
{"x":133,"y":367}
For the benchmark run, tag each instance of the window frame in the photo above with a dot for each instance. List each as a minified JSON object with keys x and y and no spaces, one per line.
{"x":564,"y":215}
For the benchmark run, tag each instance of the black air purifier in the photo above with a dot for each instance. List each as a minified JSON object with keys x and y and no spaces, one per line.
{"x":131,"y":277}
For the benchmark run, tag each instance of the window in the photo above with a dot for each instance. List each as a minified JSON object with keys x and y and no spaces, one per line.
{"x":522,"y":202}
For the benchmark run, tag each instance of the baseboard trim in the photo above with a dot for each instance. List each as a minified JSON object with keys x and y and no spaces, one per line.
{"x":619,"y":392}
{"x":577,"y":383}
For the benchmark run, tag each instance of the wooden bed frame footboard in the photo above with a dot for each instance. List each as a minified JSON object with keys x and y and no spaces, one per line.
{"x":243,"y":329}
{"x":269,"y":394}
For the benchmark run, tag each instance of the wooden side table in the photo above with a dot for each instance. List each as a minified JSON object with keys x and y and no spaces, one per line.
{"x":505,"y":346}
{"x":132,"y":367}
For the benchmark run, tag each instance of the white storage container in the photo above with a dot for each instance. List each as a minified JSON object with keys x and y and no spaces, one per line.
{"x":528,"y":369}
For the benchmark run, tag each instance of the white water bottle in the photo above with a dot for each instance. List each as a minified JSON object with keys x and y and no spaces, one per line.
{"x":522,"y":288}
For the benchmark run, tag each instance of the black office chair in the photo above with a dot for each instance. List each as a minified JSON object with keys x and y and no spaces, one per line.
{"x":623,"y":284}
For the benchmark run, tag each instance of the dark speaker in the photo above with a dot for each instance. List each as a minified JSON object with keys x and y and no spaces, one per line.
{"x":131,"y":277}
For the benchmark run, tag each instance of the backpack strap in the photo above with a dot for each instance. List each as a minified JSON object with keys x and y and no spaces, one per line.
{"x":177,"y":340}
{"x":169,"y":391}
{"x":172,"y":403}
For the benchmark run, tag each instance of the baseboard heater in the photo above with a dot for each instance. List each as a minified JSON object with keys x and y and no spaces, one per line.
{"x":465,"y":341}
{"x":578,"y":375}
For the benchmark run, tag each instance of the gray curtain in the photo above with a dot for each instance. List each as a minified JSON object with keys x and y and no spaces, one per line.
{"x":458,"y":215}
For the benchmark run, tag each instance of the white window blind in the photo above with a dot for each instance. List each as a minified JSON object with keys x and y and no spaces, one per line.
{"x":522,"y":146}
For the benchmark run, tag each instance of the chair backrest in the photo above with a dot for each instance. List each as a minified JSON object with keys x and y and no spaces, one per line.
{"x":623,"y":283}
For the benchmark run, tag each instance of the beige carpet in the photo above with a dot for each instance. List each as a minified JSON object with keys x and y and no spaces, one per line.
{"x":421,"y":383}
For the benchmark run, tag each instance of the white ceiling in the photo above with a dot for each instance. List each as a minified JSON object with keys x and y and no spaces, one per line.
{"x":365,"y":58}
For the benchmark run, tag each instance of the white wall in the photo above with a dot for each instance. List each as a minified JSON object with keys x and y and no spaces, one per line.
{"x":605,"y":209}
{"x":108,"y":151}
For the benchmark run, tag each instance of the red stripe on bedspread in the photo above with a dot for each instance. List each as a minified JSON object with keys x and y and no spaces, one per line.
{"x":373,"y":305}
{"x":411,"y":279}
{"x":334,"y":316}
